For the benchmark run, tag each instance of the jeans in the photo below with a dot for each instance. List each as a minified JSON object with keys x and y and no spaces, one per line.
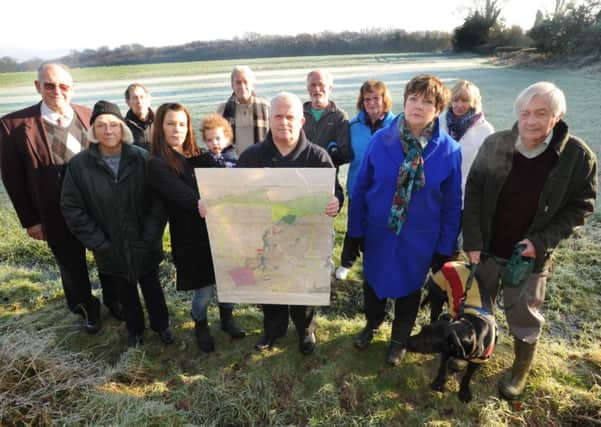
{"x":200,"y":302}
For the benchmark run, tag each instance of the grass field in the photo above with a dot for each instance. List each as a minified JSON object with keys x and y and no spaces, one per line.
{"x":53,"y":374}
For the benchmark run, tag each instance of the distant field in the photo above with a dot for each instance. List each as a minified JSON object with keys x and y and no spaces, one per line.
{"x":203,"y":85}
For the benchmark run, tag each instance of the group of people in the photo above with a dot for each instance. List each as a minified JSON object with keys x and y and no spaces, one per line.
{"x":81,"y":178}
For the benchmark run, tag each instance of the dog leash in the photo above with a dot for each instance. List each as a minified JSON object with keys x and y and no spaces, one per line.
{"x":516,"y":274}
{"x":468,"y":284}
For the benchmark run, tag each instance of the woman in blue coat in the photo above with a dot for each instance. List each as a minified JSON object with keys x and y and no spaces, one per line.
{"x":406,"y":210}
{"x":374,"y":106}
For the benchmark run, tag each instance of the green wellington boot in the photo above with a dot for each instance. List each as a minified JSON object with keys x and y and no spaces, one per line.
{"x":512,"y":385}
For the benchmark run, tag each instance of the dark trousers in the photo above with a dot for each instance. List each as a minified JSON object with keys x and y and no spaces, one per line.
{"x":275,"y":319}
{"x":350,"y":253}
{"x":70,"y":255}
{"x":405,"y":312}
{"x":153,"y":299}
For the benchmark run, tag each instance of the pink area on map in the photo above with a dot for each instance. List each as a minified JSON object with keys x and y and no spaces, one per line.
{"x":243,"y":276}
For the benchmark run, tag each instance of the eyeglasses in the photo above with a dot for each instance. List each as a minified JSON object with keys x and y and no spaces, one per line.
{"x":63,"y":87}
{"x":368,"y":99}
{"x":104,"y":126}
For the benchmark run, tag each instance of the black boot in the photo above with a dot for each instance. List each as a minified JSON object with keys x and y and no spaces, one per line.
{"x":91,"y":315}
{"x":363,"y":339}
{"x":306,"y":344}
{"x":396,"y":353}
{"x":135,"y":339}
{"x":229,"y":324}
{"x":116,"y":310}
{"x":203,"y":336}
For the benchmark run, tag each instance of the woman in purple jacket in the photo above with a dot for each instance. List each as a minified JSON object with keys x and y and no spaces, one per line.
{"x":406,"y":210}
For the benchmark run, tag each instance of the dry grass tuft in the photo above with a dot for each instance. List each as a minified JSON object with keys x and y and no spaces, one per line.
{"x":39,"y":381}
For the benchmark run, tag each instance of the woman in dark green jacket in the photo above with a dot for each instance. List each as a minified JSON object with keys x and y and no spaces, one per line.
{"x":109,"y":208}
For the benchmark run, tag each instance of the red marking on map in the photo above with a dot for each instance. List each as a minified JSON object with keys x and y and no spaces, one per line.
{"x":243,"y":276}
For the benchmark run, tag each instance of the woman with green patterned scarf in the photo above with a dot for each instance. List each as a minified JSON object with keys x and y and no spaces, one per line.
{"x":406,"y":210}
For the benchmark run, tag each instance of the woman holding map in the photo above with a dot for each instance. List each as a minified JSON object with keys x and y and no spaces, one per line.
{"x":171,"y":175}
{"x":406,"y":210}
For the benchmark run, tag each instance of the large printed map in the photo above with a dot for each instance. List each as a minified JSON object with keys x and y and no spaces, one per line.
{"x":270,"y":237}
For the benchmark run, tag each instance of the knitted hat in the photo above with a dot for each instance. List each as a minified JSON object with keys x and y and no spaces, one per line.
{"x":106,"y":107}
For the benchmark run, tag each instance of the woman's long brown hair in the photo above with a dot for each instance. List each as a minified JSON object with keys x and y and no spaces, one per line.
{"x":159,"y":146}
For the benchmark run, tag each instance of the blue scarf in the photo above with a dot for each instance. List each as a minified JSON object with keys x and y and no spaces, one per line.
{"x":411,"y":175}
{"x":458,"y":126}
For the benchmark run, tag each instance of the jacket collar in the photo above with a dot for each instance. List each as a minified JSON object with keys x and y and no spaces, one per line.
{"x":391,"y":137}
{"x":362,"y":117}
{"x":558,"y":141}
{"x":330,"y":108}
{"x":300,"y":147}
{"x":135,"y":120}
{"x":127,"y":157}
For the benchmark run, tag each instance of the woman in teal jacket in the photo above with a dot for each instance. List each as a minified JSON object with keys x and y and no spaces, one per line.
{"x":406,"y":209}
{"x":374,"y":106}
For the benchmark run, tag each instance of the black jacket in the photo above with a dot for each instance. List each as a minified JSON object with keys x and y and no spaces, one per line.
{"x":228,"y":159}
{"x":330,"y":132}
{"x":141,"y":130}
{"x":117,"y":218}
{"x":189,"y":237}
{"x":305,"y":155}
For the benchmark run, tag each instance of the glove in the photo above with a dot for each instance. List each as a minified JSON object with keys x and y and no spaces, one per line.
{"x":438,"y":260}
{"x":334,"y":152}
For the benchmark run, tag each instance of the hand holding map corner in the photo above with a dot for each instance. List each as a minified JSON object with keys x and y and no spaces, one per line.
{"x":202,"y":208}
{"x":333,"y":207}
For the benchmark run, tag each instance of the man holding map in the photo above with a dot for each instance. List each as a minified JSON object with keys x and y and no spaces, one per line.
{"x":286,"y":146}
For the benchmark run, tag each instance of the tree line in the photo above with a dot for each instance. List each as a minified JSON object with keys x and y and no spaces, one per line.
{"x":570,"y":28}
{"x":253,"y":45}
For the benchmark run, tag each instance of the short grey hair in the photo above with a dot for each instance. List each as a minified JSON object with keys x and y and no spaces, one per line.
{"x":46,"y":65}
{"x":547,"y":90}
{"x":244,"y":69}
{"x":294,"y":100}
{"x":134,"y":86}
{"x":326,"y":75}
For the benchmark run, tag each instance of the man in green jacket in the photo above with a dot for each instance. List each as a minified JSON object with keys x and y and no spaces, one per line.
{"x":532,"y":185}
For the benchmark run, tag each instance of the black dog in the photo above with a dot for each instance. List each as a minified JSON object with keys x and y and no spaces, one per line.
{"x":467,"y":333}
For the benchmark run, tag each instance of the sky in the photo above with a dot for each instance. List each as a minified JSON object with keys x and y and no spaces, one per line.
{"x":48,"y":29}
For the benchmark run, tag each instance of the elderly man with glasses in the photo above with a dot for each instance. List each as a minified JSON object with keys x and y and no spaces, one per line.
{"x":36,"y":144}
{"x":528,"y":189}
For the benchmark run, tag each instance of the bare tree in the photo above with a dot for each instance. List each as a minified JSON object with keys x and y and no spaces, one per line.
{"x":539,"y":17}
{"x":560,"y":7}
{"x":488,"y":9}
{"x":491,"y":10}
